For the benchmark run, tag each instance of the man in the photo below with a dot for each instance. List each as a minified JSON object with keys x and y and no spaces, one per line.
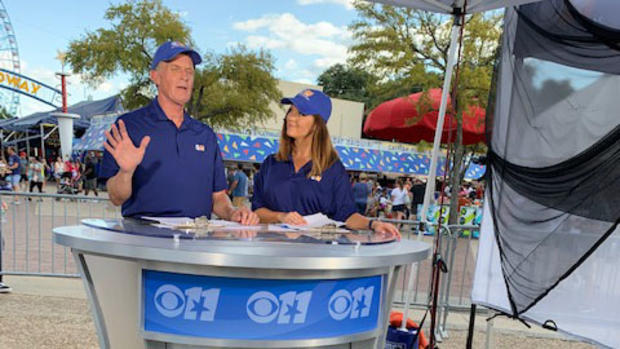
{"x":230,"y":178}
{"x":23,"y":171}
{"x":417,"y":190}
{"x":90,"y":175}
{"x":239,"y":187}
{"x":361,"y":193}
{"x":162,"y":162}
{"x":14,"y":177}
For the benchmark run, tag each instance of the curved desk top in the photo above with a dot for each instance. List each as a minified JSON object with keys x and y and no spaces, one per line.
{"x":241,"y":253}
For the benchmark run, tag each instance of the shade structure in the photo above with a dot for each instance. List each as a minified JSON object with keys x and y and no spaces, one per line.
{"x":452,"y":6}
{"x":550,"y":236}
{"x":413,"y":118}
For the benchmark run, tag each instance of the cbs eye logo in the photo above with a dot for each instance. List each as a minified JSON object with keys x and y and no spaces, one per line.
{"x":291,"y":307}
{"x":169,"y":301}
{"x":353,"y":305}
{"x":195,"y":303}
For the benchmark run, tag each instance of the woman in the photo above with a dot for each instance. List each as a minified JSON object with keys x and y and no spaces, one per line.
{"x":306,"y":176}
{"x":59,"y":169}
{"x":35,"y":175}
{"x":399,"y":200}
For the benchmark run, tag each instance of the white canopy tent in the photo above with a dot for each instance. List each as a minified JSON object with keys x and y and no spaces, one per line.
{"x":581,"y":299}
{"x":457,"y":8}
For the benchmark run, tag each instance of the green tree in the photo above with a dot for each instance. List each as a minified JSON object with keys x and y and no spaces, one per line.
{"x":406,"y":47}
{"x":409,"y":48}
{"x":137,"y":28}
{"x":4,"y":113}
{"x":342,"y":81}
{"x":235,"y":90}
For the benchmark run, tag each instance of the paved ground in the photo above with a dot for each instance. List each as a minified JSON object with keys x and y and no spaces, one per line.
{"x":44,"y":312}
{"x":26,"y":231}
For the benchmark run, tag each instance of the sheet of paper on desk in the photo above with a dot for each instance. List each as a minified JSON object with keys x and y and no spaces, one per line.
{"x":228,"y":225}
{"x":171,"y":221}
{"x":174,"y":222}
{"x":318,"y":220}
{"x":283,"y":228}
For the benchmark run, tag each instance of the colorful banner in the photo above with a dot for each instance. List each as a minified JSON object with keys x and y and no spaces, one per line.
{"x":255,"y":148}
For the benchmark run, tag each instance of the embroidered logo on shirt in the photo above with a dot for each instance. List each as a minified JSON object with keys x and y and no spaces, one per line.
{"x":200,"y":147}
{"x":316,"y":178}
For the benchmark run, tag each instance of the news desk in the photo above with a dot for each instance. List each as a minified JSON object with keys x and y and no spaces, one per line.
{"x":151,"y":287}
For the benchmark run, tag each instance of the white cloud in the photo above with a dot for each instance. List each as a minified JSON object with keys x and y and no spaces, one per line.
{"x":305,"y":73}
{"x":290,"y":64}
{"x":346,"y":3}
{"x":256,"y":41}
{"x":106,"y":86}
{"x":286,"y":32}
{"x":326,"y":62}
{"x":252,"y":24}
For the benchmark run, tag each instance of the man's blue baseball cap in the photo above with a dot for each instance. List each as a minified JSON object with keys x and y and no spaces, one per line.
{"x":311,"y":102}
{"x":170,"y":49}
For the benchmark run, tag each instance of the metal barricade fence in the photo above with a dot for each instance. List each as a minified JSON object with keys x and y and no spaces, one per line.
{"x":26,"y":223}
{"x":27,"y":247}
{"x":458,"y":246}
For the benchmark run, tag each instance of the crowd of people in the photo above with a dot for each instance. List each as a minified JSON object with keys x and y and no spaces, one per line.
{"x":399,"y":199}
{"x":22,"y":173}
{"x":374,"y":195}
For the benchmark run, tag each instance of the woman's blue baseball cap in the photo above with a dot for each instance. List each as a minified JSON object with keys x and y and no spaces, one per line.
{"x":170,"y":49}
{"x":311,"y":102}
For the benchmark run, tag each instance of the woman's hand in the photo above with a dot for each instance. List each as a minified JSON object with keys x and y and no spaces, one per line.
{"x":293,"y":218}
{"x":385,"y":228}
{"x":245,"y":216}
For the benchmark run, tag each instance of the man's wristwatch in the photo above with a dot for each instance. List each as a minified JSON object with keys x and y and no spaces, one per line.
{"x":370,"y":221}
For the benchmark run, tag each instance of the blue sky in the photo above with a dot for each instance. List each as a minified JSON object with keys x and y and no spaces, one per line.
{"x":305,"y":36}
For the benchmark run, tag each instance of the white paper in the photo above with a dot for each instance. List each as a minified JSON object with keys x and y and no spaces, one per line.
{"x":173,"y":222}
{"x":318,"y":220}
{"x":283,"y":228}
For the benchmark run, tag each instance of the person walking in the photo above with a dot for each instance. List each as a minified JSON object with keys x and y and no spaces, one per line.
{"x":239,"y":187}
{"x":361,"y":193}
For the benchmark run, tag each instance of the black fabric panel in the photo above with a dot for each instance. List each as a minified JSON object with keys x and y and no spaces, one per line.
{"x":549,"y":220}
{"x":554,"y":31}
{"x":587,"y":185}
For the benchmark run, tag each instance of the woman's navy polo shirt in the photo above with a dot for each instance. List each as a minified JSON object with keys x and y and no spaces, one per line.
{"x":278,"y":188}
{"x":181,"y":169}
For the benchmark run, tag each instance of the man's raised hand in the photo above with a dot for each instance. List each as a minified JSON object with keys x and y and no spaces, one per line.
{"x":120,"y":146}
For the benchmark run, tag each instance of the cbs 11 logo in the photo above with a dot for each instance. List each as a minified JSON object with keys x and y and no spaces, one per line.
{"x":292,"y":307}
{"x":194,"y":304}
{"x":353,"y":305}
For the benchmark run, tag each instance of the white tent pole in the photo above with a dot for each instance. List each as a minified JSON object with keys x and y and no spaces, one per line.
{"x":409,"y":290}
{"x":430,"y":182}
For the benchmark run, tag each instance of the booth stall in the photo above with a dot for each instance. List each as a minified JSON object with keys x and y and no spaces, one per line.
{"x":210,"y":286}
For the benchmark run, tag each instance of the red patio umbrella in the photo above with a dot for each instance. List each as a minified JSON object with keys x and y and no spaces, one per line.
{"x":399,"y":119}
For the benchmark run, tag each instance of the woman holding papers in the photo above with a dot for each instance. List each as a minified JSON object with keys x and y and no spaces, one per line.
{"x":306,"y":176}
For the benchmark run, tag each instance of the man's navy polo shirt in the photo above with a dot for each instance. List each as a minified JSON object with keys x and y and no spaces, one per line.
{"x":14,"y":159}
{"x":277,"y":187}
{"x":181,"y":169}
